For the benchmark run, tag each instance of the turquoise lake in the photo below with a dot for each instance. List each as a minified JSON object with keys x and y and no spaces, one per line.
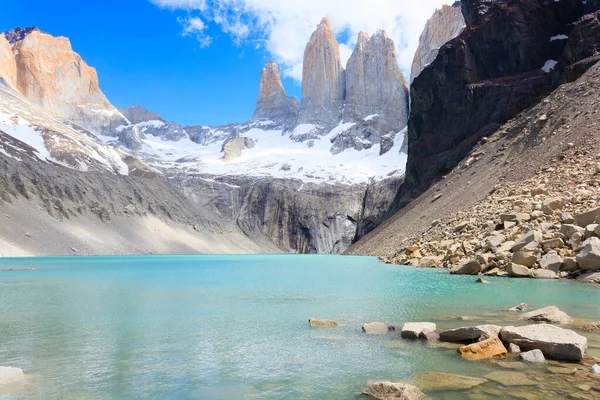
{"x":236,"y":327}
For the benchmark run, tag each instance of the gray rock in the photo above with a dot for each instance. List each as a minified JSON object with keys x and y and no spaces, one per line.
{"x":519,"y":307}
{"x":570,"y":264}
{"x":533,"y":356}
{"x":550,"y":314}
{"x":568,"y":230}
{"x":525,"y":258}
{"x":467,"y":267}
{"x":592,"y":277}
{"x":590,"y":230}
{"x":518,"y":271}
{"x":528,"y":238}
{"x":552,"y":204}
{"x":554,"y":342}
{"x":385,"y":390}
{"x":587,"y":218}
{"x":589,"y":258}
{"x":10,"y":375}
{"x":513,"y":348}
{"x":543,"y":274}
{"x":429,"y":336}
{"x":470,"y":333}
{"x":412,"y":330}
{"x":375,"y":328}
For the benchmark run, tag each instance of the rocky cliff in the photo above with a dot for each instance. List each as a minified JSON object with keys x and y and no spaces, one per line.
{"x":445,"y":24}
{"x":504,"y":61}
{"x":323,"y":81}
{"x":52,"y":75}
{"x":8,"y":65}
{"x":273,"y":104}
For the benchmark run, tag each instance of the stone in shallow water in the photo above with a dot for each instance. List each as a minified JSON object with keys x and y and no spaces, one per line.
{"x":562,"y":370}
{"x":519,"y":307}
{"x":533,"y":356}
{"x":514,"y":348}
{"x":508,"y":378}
{"x":10,"y":375}
{"x":323,"y":323}
{"x":470,"y":333}
{"x":385,"y":390}
{"x":438,"y":381}
{"x":596,"y":369}
{"x":554,"y":342}
{"x":550,"y":314}
{"x":482,"y":350}
{"x":375,"y":328}
{"x":412,"y":330}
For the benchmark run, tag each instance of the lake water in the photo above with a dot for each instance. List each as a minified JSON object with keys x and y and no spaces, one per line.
{"x":236,"y":327}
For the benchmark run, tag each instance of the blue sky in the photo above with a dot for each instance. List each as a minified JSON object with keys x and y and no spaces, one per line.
{"x":210,"y":75}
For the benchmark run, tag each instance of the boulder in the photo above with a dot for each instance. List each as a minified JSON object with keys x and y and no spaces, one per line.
{"x":509,"y":378}
{"x":570,"y":264}
{"x":438,"y":381}
{"x":589,"y":257}
{"x":519,"y":307}
{"x":385,"y":390}
{"x":430,"y":262}
{"x":533,"y":356}
{"x":551,"y":261}
{"x":543,"y":274}
{"x":518,"y":271}
{"x":323,"y":323}
{"x":412,"y":330}
{"x":528,"y":238}
{"x":375,"y":328}
{"x":587,"y":218}
{"x":590,"y":230}
{"x":525,"y":258}
{"x":554,"y":342}
{"x":430,"y":336}
{"x":592,"y":277}
{"x":466,"y":267}
{"x":550,"y":314}
{"x":513,"y":348}
{"x":555,"y":243}
{"x":481,"y":280}
{"x":552,"y":204}
{"x":488,"y":348}
{"x":470,"y":333}
{"x":568,"y":230}
{"x":10,"y":375}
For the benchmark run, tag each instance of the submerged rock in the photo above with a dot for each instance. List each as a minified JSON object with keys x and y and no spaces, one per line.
{"x":429,"y":336}
{"x":550,"y":314}
{"x":554,"y":342}
{"x":488,"y":348}
{"x":375,"y":328}
{"x":385,"y":390}
{"x":323,"y":323}
{"x":438,"y":381}
{"x":508,"y":378}
{"x":519,"y":307}
{"x":412,"y":330}
{"x":10,"y":375}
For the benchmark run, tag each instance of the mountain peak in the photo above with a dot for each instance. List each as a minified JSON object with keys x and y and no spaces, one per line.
{"x":18,"y":33}
{"x":273,"y":103}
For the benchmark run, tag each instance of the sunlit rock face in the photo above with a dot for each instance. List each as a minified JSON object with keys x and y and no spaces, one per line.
{"x":444,"y":25}
{"x":52,"y":75}
{"x":8,"y":65}
{"x":273,"y":104}
{"x":323,"y":84}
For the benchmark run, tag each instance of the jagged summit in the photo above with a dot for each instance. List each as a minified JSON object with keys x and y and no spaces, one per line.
{"x":136,"y":114}
{"x":273,"y":104}
{"x":18,"y":33}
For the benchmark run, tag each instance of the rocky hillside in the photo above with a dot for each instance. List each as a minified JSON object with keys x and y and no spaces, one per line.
{"x":444,"y":25}
{"x":510,"y":55}
{"x":313,"y":186}
{"x":524,"y":200}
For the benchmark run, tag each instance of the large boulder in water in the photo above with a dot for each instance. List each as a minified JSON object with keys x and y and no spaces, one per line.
{"x":10,"y":375}
{"x":323,"y":323}
{"x":385,"y":390}
{"x":485,"y":349}
{"x":554,"y":342}
{"x":412,"y":330}
{"x":470,"y":333}
{"x":375,"y":328}
{"x":550,"y":314}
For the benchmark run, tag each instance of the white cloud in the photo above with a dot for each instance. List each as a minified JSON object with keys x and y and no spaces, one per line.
{"x":195,"y":26}
{"x":284,"y":27}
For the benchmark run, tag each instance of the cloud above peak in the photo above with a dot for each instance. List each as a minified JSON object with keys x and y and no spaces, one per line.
{"x":284,"y":27}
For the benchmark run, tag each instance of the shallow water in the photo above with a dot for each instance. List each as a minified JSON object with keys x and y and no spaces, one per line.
{"x":229,"y":327}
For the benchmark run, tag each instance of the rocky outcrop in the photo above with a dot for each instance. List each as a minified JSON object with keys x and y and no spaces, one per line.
{"x":138,"y":114}
{"x":273,"y":104}
{"x":485,"y":349}
{"x":385,"y":390}
{"x":232,"y":149}
{"x":8,"y":65}
{"x":52,"y":75}
{"x":374,"y":83}
{"x":445,"y":24}
{"x":413,"y":330}
{"x":472,"y":86}
{"x":550,"y":314}
{"x":323,"y":82}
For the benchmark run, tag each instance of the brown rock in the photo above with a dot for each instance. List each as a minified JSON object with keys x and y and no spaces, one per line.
{"x":525,"y":258}
{"x":323,"y":323}
{"x":466,"y":267}
{"x":273,"y":104}
{"x":8,"y":65}
{"x":518,"y":271}
{"x":488,"y":348}
{"x":508,"y":378}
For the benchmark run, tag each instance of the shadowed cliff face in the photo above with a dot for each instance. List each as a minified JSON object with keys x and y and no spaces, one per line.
{"x":497,"y":67}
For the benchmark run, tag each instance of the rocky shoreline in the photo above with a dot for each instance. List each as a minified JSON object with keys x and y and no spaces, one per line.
{"x":543,"y":349}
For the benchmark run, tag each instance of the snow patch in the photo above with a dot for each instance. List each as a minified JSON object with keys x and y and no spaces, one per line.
{"x":549,"y":65}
